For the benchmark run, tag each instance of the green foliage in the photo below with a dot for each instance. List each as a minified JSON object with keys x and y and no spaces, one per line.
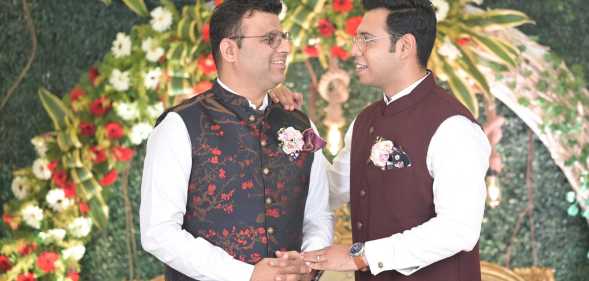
{"x":75,"y":34}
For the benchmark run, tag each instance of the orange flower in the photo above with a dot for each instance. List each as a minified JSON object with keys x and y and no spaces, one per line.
{"x":114,"y":130}
{"x":326,"y":28}
{"x":340,"y":53}
{"x":206,"y":64}
{"x":205,"y":32}
{"x":342,"y":6}
{"x":352,"y":24}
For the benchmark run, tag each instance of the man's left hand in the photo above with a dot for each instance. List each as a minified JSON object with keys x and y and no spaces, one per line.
{"x":333,"y":258}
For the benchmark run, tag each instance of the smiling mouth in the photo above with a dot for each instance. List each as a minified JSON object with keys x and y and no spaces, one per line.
{"x":279,"y":62}
{"x":360,"y":67}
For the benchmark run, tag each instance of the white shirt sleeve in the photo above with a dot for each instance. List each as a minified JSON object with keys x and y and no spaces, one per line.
{"x":318,"y":221}
{"x":164,"y":191}
{"x":339,"y":173}
{"x":457,"y":159}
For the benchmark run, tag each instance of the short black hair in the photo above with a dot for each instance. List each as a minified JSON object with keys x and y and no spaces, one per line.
{"x":416,"y":17}
{"x":227,"y":17}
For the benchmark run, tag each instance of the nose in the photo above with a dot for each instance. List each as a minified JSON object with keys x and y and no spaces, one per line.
{"x":356,"y":52}
{"x":285,"y":46}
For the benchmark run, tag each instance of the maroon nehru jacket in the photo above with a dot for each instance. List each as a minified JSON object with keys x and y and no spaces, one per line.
{"x":390,"y":201}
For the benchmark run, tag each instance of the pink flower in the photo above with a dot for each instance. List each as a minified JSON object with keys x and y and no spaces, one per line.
{"x":380,"y":152}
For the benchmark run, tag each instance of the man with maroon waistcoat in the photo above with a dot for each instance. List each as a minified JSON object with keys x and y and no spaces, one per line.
{"x":414,"y":163}
{"x":234,"y":187}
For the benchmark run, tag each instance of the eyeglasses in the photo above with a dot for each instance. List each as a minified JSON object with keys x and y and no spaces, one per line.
{"x":272,"y":39}
{"x":361,"y":41}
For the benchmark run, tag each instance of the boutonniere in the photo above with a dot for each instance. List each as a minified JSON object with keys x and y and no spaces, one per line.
{"x":385,"y":155}
{"x":293,"y":142}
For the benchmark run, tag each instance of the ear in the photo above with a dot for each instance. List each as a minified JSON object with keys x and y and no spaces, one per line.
{"x":407,"y":45}
{"x":229,"y":50}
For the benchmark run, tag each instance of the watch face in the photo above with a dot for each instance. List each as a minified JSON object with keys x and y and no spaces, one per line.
{"x":356,"y":248}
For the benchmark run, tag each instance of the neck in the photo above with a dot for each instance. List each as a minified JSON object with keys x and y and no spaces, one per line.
{"x":397,"y":85}
{"x":244,"y":88}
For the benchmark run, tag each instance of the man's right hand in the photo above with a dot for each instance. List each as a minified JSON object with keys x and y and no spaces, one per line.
{"x":289,"y":100}
{"x":289,"y":267}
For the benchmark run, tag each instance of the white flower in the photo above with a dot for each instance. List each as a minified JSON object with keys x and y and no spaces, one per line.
{"x":119,"y":80}
{"x":291,"y":141}
{"x":449,"y":50}
{"x":80,"y":227}
{"x":152,"y":51}
{"x":20,"y":187}
{"x":40,"y":145}
{"x":53,"y":235}
{"x":442,"y":8}
{"x":40,"y":169}
{"x":161,"y":19}
{"x":155,"y":110}
{"x":380,"y":152}
{"x":121,"y":47}
{"x":57,"y":201}
{"x":140,"y":132}
{"x":478,"y":2}
{"x":32,"y":215}
{"x":75,"y":252}
{"x":282,"y":14}
{"x":152,"y":78}
{"x":127,"y":111}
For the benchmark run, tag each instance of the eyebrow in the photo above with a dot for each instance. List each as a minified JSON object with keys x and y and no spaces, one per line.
{"x":363,"y":33}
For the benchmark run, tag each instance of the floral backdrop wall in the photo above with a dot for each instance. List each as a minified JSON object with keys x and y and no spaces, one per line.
{"x":88,"y":168}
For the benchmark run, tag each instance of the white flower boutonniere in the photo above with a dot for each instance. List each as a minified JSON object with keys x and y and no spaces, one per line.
{"x":291,"y":141}
{"x":380,"y":152}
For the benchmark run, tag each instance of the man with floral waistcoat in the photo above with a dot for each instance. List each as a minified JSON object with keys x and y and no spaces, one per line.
{"x":414,"y":162}
{"x":234,"y":187}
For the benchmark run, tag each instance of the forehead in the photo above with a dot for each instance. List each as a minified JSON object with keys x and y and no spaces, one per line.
{"x":374,"y":22}
{"x":260,"y":22}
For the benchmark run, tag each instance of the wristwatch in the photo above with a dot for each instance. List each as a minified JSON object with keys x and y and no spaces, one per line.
{"x":357,"y":253}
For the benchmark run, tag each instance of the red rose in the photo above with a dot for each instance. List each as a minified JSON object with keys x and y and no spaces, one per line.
{"x":463,"y":41}
{"x":123,"y":153}
{"x":206,"y":64}
{"x":218,"y":2}
{"x":201,"y":87}
{"x":352,"y":24}
{"x":92,"y":75}
{"x":99,"y":155}
{"x":73,"y":275}
{"x":27,"y":249}
{"x":76,"y":93}
{"x":114,"y":130}
{"x":5,"y":264}
{"x":46,"y":261}
{"x":342,"y":6}
{"x":84,"y":208}
{"x":87,"y":129}
{"x":52,"y":165}
{"x":100,"y":106}
{"x":325,"y":28}
{"x":70,"y":189}
{"x":311,"y":51}
{"x":59,"y":178}
{"x":26,"y":277}
{"x":205,"y":32}
{"x":339,"y":53}
{"x":109,"y":178}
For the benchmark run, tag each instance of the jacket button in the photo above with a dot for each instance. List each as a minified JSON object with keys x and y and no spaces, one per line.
{"x":252,"y":118}
{"x":270,"y":230}
{"x":371,"y":130}
{"x":266,"y":171}
{"x":268,"y":200}
{"x":359,"y":225}
{"x":362,"y":193}
{"x":380,"y":265}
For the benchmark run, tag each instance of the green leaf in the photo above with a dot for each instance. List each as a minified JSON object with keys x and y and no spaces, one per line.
{"x":137,"y":6}
{"x":99,"y":211}
{"x":472,"y":70}
{"x":496,"y":47}
{"x":460,"y":89}
{"x":496,"y":19}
